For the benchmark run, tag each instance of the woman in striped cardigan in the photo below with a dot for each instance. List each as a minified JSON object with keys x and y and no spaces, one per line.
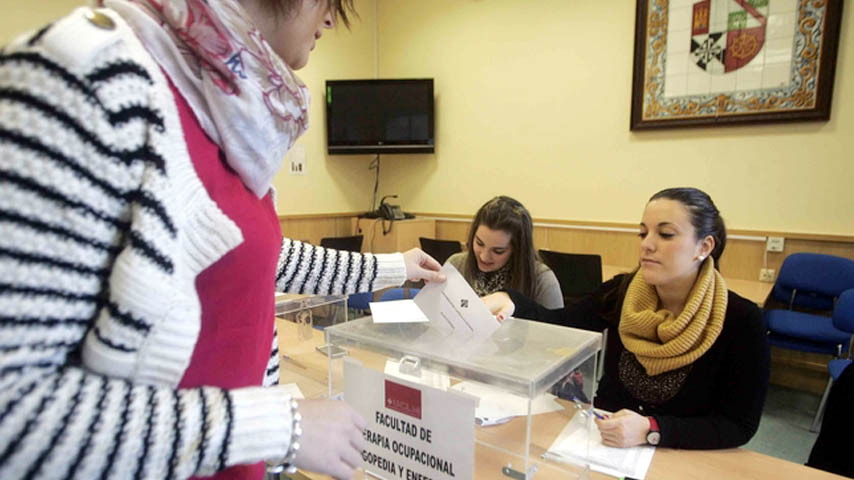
{"x":139,"y":244}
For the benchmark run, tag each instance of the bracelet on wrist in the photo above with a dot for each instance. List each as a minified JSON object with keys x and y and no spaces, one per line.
{"x":287,"y":464}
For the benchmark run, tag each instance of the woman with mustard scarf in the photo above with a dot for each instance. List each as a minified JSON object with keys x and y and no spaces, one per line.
{"x":687,"y":361}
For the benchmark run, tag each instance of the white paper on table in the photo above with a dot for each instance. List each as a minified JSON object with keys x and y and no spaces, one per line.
{"x":497,"y":406}
{"x":397,"y":311}
{"x":427,"y":377}
{"x":579,"y":445}
{"x":454,"y":307}
{"x":293,"y":390}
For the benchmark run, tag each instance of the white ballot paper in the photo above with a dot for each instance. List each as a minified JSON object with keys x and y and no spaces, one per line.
{"x":424,"y":377}
{"x":581,"y":446}
{"x":397,"y":311}
{"x":454,"y":308}
{"x":497,"y":406}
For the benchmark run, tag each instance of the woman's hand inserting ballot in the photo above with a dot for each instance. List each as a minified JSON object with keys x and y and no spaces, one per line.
{"x":420,"y":266}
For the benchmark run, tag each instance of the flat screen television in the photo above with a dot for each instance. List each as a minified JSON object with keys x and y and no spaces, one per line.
{"x":379,"y":116}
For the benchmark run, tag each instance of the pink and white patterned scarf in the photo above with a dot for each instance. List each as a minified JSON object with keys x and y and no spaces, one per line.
{"x":246,"y":98}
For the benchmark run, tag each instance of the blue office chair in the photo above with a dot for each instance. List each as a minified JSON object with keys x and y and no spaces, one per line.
{"x":843,"y":319}
{"x":809,"y":282}
{"x":399,"y":294}
{"x":358,"y":302}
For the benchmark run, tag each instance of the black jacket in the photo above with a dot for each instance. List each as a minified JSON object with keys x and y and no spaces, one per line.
{"x":832,"y":449}
{"x":720,"y":402}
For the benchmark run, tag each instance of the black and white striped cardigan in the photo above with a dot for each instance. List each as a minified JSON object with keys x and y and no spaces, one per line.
{"x":104,"y":227}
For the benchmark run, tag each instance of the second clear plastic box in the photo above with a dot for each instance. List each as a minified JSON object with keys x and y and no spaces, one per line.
{"x":299,"y":322}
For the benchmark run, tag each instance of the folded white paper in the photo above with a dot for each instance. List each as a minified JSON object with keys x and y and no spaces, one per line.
{"x":426,"y":377}
{"x":397,"y":311}
{"x":497,"y":406}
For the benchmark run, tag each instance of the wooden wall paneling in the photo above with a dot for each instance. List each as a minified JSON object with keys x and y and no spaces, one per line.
{"x":541,"y":238}
{"x":743,"y":259}
{"x":401,"y":235}
{"x":839,"y":249}
{"x":411,"y":230}
{"x":313,"y":229}
{"x":370,"y":229}
{"x":615,"y":248}
{"x":448,"y":230}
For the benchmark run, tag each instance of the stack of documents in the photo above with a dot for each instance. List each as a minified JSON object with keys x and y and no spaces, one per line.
{"x":582,"y":445}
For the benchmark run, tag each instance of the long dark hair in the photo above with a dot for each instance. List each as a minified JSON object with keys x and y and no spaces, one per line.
{"x":508,"y":215}
{"x":706,"y":219}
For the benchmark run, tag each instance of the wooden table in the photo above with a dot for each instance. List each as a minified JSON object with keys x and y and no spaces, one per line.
{"x":752,"y":290}
{"x":308,"y":368}
{"x":402,"y":236}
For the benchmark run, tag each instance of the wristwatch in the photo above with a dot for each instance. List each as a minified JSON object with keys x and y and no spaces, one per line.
{"x":654,"y":434}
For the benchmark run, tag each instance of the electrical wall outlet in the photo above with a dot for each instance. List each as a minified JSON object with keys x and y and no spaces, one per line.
{"x":775,"y":244}
{"x":766,"y":275}
{"x":296,"y":160}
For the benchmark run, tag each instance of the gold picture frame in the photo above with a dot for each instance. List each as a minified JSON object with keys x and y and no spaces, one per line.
{"x":713,"y":62}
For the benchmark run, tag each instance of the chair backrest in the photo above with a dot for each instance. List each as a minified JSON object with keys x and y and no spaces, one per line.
{"x":350,"y":244}
{"x":399,"y":294}
{"x":578,"y":274}
{"x":813,"y":280}
{"x":360,"y":301}
{"x":440,"y":249}
{"x":843,"y":311}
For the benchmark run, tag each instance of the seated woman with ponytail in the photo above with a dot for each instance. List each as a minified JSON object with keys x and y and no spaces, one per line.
{"x":686,"y":364}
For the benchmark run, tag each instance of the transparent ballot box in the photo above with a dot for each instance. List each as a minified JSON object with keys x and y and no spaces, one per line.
{"x":533,"y":383}
{"x":300,"y":320}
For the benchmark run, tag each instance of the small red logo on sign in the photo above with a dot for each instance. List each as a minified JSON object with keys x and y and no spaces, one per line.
{"x":403,"y":399}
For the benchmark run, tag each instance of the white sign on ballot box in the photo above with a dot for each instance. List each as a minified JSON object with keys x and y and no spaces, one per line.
{"x":414,"y":432}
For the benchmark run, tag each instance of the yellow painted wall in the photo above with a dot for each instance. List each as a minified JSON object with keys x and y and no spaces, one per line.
{"x":533,"y":101}
{"x":331,"y":184}
{"x":19,"y":17}
{"x":340,"y":183}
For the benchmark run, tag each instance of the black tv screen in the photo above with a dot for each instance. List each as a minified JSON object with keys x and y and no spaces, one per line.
{"x":379,"y":116}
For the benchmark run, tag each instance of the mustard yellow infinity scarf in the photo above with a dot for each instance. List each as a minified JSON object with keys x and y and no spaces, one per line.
{"x":662,"y":342}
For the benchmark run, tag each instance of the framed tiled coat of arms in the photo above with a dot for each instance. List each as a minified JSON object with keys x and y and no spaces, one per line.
{"x":709,"y":62}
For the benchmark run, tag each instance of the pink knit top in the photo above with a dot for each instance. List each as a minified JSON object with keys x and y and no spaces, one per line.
{"x":236,"y":292}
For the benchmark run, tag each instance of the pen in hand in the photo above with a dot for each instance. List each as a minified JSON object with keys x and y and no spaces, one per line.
{"x":587,"y":410}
